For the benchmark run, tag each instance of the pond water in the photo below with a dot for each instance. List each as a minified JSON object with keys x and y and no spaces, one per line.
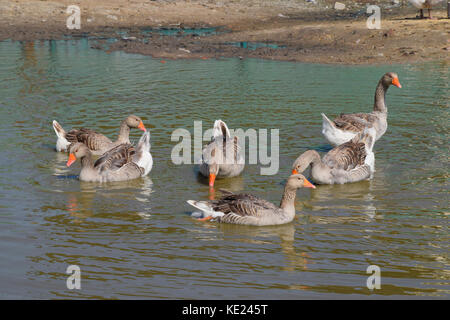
{"x":137,"y":239}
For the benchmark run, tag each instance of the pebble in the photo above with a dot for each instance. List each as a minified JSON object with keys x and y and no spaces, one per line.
{"x":339,"y":6}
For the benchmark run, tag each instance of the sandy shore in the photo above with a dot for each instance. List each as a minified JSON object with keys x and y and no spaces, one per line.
{"x":306,"y":32}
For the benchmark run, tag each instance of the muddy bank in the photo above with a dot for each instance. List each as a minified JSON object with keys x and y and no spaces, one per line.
{"x":293,"y":30}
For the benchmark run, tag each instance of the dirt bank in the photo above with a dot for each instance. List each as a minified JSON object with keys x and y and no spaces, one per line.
{"x":304,"y":31}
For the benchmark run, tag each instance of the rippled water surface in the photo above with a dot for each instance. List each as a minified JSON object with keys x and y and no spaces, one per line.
{"x":137,"y":239}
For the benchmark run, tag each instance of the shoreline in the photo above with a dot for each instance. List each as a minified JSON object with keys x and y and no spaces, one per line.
{"x":304,"y":32}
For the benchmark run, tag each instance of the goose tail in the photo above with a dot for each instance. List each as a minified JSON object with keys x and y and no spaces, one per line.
{"x":327,"y":122}
{"x":221,"y":129}
{"x":60,"y":132}
{"x":61,"y":143}
{"x":144,"y":142}
{"x":205,"y":208}
{"x":143,"y":158}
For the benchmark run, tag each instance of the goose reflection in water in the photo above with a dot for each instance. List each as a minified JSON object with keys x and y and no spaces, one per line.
{"x":267,"y":236}
{"x":234,"y":185}
{"x":328,"y":198}
{"x":81,"y":204}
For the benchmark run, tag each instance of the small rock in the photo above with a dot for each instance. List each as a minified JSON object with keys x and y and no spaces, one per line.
{"x":184,"y":50}
{"x":339,"y":6}
{"x":112,"y":17}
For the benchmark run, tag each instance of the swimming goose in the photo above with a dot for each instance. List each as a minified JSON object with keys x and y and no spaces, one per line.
{"x":424,"y":4}
{"x":97,"y":142}
{"x":121,"y":163}
{"x":346,"y":126}
{"x":349,"y":162}
{"x":250,"y":210}
{"x":222,"y":157}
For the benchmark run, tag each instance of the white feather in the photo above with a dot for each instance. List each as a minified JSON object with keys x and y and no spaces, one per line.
{"x":334,"y":135}
{"x":144,"y":158}
{"x":217,"y":130}
{"x":370,"y":156}
{"x":61,"y":143}
{"x":205,"y":208}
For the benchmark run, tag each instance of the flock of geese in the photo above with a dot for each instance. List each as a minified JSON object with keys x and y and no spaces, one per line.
{"x":351,"y":160}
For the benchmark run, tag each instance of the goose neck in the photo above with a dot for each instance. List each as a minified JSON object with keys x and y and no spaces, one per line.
{"x":288,"y":199}
{"x":124,"y":132}
{"x":86,"y":161}
{"x":380,"y":97}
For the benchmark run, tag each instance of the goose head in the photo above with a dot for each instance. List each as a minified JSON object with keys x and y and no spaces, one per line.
{"x":213,"y":171}
{"x":303,"y":161}
{"x":297,"y":181}
{"x":77,"y":151}
{"x":212,"y":157}
{"x":391,"y":78}
{"x":135,"y":122}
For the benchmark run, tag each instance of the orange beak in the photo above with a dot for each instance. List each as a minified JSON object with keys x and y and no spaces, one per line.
{"x":205,"y":218}
{"x":294,"y":171}
{"x":71,"y":160}
{"x":396,"y":83}
{"x":308,"y":184}
{"x":141,"y":126}
{"x":212,"y":178}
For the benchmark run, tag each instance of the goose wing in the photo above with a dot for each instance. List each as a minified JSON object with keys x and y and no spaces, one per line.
{"x":115,"y":158}
{"x":243,"y":205}
{"x":354,"y":122}
{"x":347,"y":156}
{"x":94,"y":140}
{"x":128,"y":171}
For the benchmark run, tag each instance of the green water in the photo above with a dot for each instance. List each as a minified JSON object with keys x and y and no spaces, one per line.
{"x":137,"y":239}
